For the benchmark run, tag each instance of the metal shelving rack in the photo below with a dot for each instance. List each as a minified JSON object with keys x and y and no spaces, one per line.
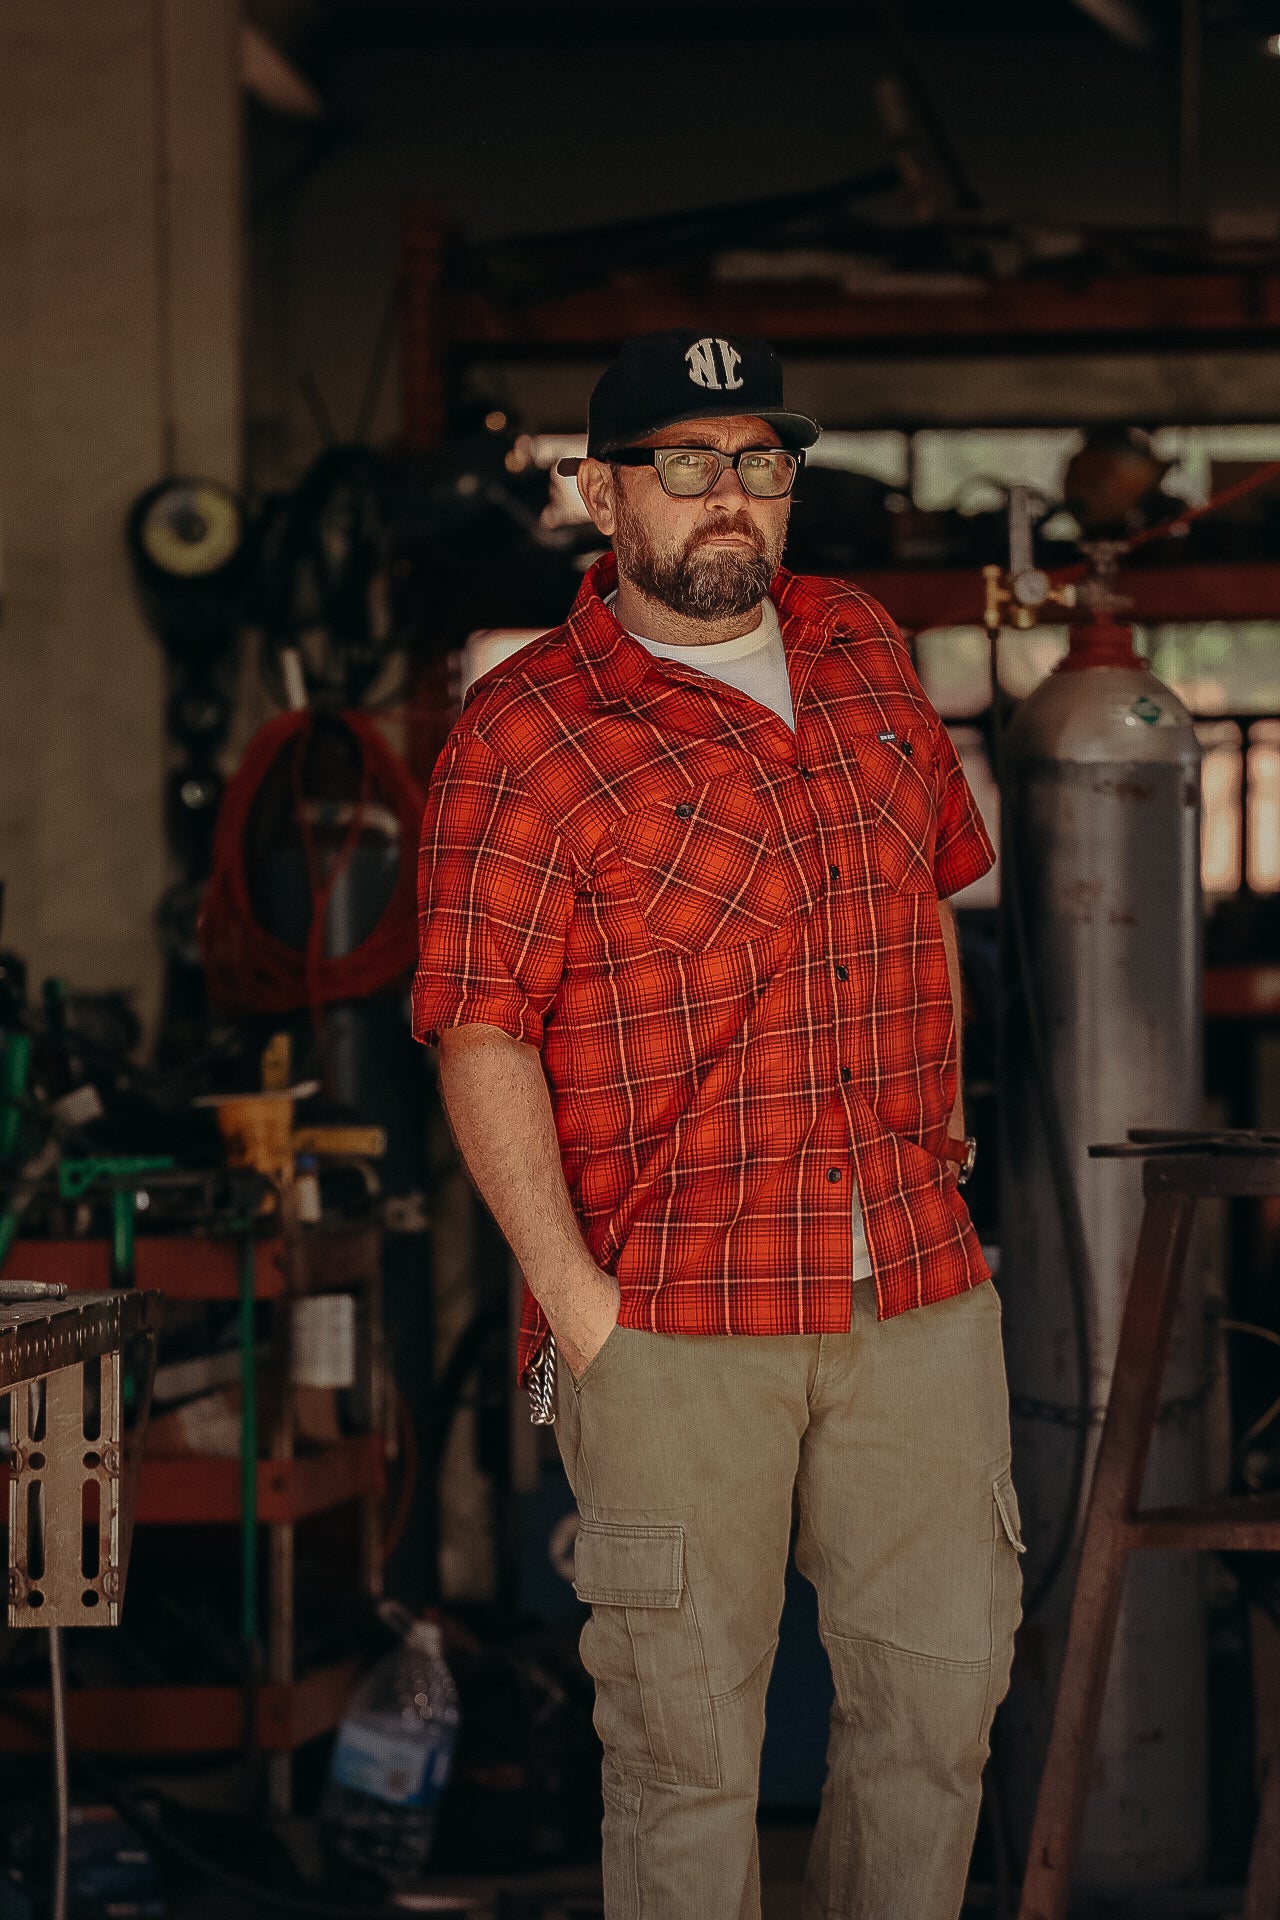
{"x":289,"y":1708}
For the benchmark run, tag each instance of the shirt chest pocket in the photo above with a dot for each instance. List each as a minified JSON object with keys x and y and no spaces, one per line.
{"x":897,"y":782}
{"x":705,"y":868}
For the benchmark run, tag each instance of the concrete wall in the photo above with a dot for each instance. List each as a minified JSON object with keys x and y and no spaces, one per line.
{"x":120,"y":297}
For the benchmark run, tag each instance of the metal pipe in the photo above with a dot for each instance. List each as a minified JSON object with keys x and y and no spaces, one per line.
{"x":248,"y":1449}
{"x":249,"y":1500}
{"x":943,"y":148}
{"x":1190,"y":116}
{"x":61,"y":1780}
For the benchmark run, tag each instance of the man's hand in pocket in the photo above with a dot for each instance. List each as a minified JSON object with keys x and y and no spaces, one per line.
{"x":586,"y":1319}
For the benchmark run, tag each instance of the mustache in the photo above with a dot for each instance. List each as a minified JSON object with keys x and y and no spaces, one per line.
{"x":728,"y":523}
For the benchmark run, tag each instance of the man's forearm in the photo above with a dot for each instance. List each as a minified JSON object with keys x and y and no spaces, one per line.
{"x":498,"y":1106}
{"x":951,"y":946}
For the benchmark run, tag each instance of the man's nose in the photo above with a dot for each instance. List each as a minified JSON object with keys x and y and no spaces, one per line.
{"x":728,"y":491}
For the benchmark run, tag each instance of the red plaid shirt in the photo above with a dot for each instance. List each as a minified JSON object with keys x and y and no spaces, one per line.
{"x":724,"y":939}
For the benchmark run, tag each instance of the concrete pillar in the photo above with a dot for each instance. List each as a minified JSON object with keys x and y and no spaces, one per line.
{"x":120,"y":297}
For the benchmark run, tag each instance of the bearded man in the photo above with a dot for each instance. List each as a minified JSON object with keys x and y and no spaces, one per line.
{"x":697,"y":1002}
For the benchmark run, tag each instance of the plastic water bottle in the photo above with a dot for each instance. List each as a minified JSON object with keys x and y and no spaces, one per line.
{"x":394,"y":1753}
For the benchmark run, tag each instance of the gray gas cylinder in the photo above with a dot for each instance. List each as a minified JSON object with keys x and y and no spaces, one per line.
{"x":1102,"y":817}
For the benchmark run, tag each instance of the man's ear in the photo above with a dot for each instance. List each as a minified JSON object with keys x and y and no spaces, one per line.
{"x":595,"y":485}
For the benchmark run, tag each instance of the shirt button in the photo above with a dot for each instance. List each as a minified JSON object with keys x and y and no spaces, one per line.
{"x":842,"y":973}
{"x":846,"y":1074}
{"x":833,"y":872}
{"x":684,"y":811}
{"x":806,"y":773}
{"x":833,"y":1174}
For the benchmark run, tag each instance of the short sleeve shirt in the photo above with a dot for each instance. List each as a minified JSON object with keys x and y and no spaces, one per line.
{"x":724,"y":939}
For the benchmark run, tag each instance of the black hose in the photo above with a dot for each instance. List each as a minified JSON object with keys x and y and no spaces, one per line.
{"x":61,"y":1773}
{"x":996,"y":1818}
{"x":108,"y":1784}
{"x":466,"y":1357}
{"x":998,"y":1836}
{"x":155,"y":1829}
{"x":1070,"y":1217}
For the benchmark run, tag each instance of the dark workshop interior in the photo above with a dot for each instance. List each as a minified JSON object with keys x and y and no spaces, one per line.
{"x":301,"y":304}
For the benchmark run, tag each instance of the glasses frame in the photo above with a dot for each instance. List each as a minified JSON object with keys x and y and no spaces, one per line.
{"x":657,"y":457}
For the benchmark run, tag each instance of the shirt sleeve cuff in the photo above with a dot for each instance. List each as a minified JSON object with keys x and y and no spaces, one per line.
{"x":959,"y":865}
{"x":512,"y":1017}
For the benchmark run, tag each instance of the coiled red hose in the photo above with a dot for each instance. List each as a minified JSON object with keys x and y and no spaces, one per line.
{"x":250,"y":969}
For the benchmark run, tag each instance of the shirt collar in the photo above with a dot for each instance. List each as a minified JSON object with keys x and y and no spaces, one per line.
{"x":614,"y":664}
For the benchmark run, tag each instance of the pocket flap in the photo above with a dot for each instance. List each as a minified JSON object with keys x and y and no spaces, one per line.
{"x":705,"y":868}
{"x":1007,"y":1508}
{"x":623,"y":1566}
{"x":897,"y":767}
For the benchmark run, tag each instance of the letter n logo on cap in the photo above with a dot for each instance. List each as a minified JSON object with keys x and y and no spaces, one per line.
{"x":704,"y":370}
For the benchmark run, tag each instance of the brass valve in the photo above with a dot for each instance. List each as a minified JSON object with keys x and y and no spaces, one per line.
{"x":1016,"y":599}
{"x":1022,"y":587}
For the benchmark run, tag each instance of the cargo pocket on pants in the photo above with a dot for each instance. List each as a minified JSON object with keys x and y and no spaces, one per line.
{"x":643,"y":1649}
{"x":1006,"y":1589}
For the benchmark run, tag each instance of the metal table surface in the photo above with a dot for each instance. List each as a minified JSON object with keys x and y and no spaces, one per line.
{"x":38,"y":1337}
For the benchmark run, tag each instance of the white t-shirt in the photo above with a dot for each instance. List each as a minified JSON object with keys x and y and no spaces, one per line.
{"x":756,"y":664}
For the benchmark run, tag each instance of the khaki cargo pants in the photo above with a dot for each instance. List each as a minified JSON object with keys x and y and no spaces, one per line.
{"x":686,"y":1454}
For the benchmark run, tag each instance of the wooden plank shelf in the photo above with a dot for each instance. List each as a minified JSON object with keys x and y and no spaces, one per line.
{"x":189,"y":1267}
{"x":202,"y":1491}
{"x":184,"y":1719}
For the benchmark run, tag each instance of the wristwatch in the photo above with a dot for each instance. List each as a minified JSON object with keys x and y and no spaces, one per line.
{"x":965,"y":1154}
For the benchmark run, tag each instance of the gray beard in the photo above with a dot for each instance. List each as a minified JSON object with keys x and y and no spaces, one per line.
{"x":696,"y":585}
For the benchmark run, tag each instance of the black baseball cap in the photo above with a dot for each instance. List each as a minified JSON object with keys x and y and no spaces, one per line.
{"x":663,"y":379}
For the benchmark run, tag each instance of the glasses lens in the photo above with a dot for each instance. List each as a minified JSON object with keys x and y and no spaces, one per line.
{"x":688,"y":471}
{"x":767,"y":474}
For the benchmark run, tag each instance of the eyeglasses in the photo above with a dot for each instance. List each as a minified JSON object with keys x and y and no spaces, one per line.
{"x":768,"y":473}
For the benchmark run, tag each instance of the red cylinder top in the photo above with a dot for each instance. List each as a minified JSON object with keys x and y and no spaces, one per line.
{"x":1103,"y":643}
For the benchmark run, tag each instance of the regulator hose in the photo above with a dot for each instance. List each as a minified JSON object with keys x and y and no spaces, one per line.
{"x":1066,"y":1195}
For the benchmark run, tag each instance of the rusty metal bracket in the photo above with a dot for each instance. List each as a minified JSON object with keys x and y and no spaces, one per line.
{"x":78,"y":1376}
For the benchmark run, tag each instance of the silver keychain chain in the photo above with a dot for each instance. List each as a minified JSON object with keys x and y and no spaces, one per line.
{"x":542,"y":1385}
